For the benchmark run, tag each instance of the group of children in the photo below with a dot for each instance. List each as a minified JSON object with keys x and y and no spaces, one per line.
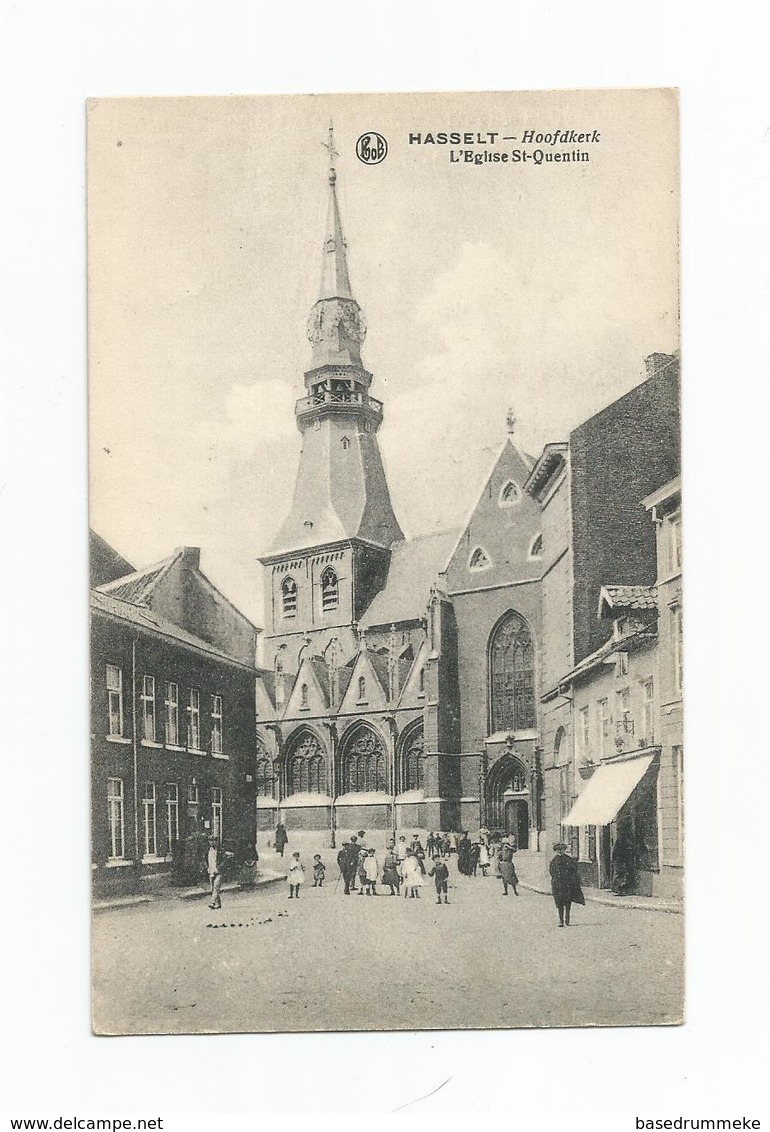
{"x":404,"y":865}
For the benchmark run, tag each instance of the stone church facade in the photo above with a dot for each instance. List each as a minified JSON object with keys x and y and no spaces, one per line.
{"x":405,"y":681}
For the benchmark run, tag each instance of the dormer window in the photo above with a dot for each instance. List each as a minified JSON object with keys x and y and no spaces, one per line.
{"x":330,"y":597}
{"x":536,"y":547}
{"x":289,"y":597}
{"x":509,"y":495}
{"x":479,"y":560}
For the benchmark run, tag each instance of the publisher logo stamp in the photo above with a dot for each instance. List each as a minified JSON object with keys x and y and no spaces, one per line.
{"x":371,"y":148}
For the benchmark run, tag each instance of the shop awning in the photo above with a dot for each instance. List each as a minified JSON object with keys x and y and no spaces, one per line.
{"x":608,"y":789}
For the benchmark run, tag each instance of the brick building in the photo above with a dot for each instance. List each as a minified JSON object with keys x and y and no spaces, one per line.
{"x":172,"y":720}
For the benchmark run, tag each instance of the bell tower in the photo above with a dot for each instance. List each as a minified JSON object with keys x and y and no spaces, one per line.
{"x":332,"y":552}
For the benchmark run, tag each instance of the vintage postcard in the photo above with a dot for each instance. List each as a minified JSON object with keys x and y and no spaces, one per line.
{"x":386,"y":562}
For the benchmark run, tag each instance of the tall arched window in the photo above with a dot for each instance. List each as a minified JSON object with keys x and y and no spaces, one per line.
{"x":306,"y":766}
{"x":264,"y":777}
{"x":303,"y":696}
{"x":412,"y":774}
{"x":329,"y":590}
{"x":364,"y":762}
{"x":361,"y":688}
{"x":512,"y":676}
{"x":289,"y":597}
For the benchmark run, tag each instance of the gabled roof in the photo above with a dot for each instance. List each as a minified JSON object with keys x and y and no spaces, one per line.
{"x":414,"y":567}
{"x":630,"y":642}
{"x":138,"y":586}
{"x":146,"y":619}
{"x":553,"y":455}
{"x":620,"y":598}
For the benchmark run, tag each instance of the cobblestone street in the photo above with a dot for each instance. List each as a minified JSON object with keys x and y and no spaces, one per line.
{"x":334,"y":962}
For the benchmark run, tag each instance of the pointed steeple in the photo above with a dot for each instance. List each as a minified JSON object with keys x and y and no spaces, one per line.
{"x":336,"y":327}
{"x":341,"y":491}
{"x":335,"y":281}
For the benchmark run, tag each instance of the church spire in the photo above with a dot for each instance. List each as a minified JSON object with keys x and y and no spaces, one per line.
{"x":336,"y":327}
{"x":335,"y":281}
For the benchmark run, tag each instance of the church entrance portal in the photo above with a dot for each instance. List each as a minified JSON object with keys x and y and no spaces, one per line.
{"x":508,"y":800}
{"x":517,"y":821}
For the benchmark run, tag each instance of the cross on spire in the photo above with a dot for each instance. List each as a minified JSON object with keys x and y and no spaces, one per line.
{"x":333,"y":152}
{"x":510,"y":422}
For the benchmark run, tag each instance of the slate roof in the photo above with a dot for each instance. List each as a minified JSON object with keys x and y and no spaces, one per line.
{"x":414,"y":567}
{"x":631,"y":597}
{"x":136,"y":587}
{"x":146,"y":619}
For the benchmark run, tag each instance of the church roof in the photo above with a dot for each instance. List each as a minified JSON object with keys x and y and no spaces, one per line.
{"x":414,"y":567}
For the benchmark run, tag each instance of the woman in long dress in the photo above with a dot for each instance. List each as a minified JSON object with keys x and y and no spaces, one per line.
{"x":412,"y":875}
{"x":507,"y":870}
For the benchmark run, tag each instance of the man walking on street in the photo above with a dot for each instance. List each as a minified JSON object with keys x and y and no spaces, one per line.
{"x":565,"y":883}
{"x":215,"y":863}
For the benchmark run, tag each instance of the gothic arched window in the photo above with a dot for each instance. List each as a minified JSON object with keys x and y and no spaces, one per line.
{"x":536,"y":549}
{"x":289,"y":597}
{"x":330,"y":597}
{"x":306,"y":767}
{"x":479,"y":559}
{"x":361,"y":688}
{"x":512,"y":676}
{"x":264,"y":777}
{"x":303,"y":696}
{"x":509,"y":494}
{"x":412,"y":775}
{"x":364,"y":762}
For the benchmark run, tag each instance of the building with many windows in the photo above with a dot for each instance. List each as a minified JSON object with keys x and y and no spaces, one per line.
{"x":172,"y":722}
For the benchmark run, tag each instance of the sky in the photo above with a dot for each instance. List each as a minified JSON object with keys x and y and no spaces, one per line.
{"x":484,"y":287}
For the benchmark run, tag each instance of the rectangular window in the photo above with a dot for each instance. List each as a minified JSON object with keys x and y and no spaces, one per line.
{"x":216,"y":725}
{"x":115,"y":818}
{"x":675,"y":544}
{"x":584,"y":732}
{"x":648,"y":712}
{"x":115,"y":699}
{"x":625,"y":723}
{"x":172,"y":714}
{"x":676,"y":641}
{"x":605,"y":725}
{"x":194,"y":720}
{"x":148,"y":708}
{"x":150,"y":820}
{"x":172,"y":814}
{"x":216,"y":812}
{"x":586,"y":842}
{"x":622,"y":664}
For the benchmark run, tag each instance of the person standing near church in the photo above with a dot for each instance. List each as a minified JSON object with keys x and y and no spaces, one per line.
{"x":281,"y":838}
{"x":565,"y":883}
{"x":296,"y":876}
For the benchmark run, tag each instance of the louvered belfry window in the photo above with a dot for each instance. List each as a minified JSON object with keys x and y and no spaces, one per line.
{"x":329,"y":590}
{"x":512,"y":676}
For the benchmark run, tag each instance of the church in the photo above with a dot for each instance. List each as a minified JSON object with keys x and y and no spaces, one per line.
{"x":373,"y":711}
{"x":417,"y":683}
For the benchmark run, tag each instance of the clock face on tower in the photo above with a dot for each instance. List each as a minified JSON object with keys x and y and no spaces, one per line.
{"x":330,"y":314}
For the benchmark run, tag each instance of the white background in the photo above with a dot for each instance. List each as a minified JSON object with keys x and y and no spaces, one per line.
{"x":54,"y":55}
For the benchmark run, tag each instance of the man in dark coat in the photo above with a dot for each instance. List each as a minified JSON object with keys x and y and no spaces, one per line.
{"x":281,"y":838}
{"x":565,"y":883}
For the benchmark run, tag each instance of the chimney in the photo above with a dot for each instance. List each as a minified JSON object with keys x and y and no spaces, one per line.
{"x":190,"y":555}
{"x":654,"y":363}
